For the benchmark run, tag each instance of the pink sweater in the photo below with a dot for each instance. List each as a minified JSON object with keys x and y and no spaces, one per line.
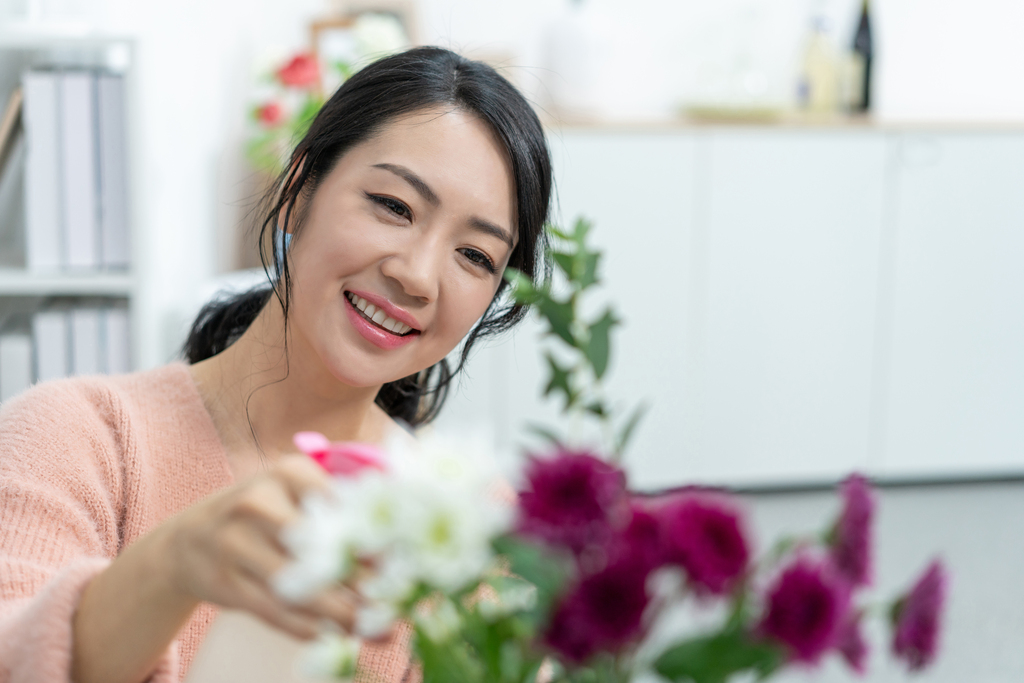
{"x":87,"y":466}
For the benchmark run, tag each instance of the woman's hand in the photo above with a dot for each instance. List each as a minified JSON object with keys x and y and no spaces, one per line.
{"x":225,"y":549}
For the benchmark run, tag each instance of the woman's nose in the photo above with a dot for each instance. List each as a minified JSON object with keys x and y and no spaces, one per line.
{"x":416,"y":266}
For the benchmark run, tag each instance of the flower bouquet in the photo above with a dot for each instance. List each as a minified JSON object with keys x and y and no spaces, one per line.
{"x":295,"y":91}
{"x":572,"y":578}
{"x":575,"y":578}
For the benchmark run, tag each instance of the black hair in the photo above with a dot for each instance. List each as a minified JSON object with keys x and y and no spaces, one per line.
{"x":400,"y":84}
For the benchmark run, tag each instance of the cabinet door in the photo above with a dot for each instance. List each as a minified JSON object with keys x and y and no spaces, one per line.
{"x":638,"y":191}
{"x":785,"y":332}
{"x":956,"y":392}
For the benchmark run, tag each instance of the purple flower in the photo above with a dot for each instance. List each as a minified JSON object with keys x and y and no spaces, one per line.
{"x":572,"y":499}
{"x":851,"y":643}
{"x":705,"y":538}
{"x":807,"y":606}
{"x":604,"y":612}
{"x":851,"y":537}
{"x":917,"y":618}
{"x":640,"y":539}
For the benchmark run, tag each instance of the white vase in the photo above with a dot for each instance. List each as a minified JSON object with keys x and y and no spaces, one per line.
{"x":577,"y":55}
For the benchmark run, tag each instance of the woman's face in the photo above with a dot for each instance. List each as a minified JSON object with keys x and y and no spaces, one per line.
{"x":417,"y":223}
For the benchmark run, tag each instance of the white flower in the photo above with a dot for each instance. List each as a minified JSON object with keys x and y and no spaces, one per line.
{"x":331,"y":656}
{"x":377,"y":34}
{"x":320,"y":544}
{"x":375,"y":619}
{"x":440,"y":622}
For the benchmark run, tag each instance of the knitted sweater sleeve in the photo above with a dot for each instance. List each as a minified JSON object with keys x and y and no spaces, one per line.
{"x":61,"y":502}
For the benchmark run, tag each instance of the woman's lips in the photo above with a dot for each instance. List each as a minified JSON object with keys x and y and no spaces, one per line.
{"x":375,"y":334}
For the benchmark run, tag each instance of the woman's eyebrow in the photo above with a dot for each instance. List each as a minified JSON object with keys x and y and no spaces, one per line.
{"x":489,"y":228}
{"x":418,"y":184}
{"x":414,"y":180}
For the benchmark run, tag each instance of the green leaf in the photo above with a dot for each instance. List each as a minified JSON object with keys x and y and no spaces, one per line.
{"x":627,"y":429}
{"x":344,"y":69}
{"x":588,"y":270}
{"x":580,"y":230}
{"x":557,"y":232}
{"x":564,"y":262}
{"x":540,"y":566}
{"x":559,"y":315}
{"x":559,"y":381}
{"x":449,"y":662}
{"x":597,"y":408}
{"x":714,"y":658}
{"x":523,"y":289}
{"x":597,"y":349}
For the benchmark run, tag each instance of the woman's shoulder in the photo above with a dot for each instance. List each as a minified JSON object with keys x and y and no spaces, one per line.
{"x":97,"y":411}
{"x":57,"y":401}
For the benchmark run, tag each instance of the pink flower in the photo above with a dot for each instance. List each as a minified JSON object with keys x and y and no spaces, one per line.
{"x":573,"y":499}
{"x":604,"y":612}
{"x":705,"y":538}
{"x":270,"y":114}
{"x":851,"y":538}
{"x":807,"y":606}
{"x":301,"y":72}
{"x":345,"y":457}
{"x":917,"y":618}
{"x":851,"y":643}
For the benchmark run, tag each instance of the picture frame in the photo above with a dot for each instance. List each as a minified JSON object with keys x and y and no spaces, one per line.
{"x":340,"y":40}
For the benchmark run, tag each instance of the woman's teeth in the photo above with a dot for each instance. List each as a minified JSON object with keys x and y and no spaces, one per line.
{"x":377,"y":315}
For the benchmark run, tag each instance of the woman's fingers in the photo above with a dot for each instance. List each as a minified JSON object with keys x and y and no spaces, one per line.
{"x":255,"y":597}
{"x":301,"y":476}
{"x":337,"y":603}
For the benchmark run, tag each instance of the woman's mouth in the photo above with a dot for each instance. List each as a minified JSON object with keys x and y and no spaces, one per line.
{"x":378,"y":317}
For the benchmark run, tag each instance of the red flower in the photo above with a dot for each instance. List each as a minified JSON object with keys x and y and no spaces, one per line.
{"x":604,"y":612}
{"x":572,"y":499}
{"x":851,"y":643}
{"x":301,"y":72}
{"x":705,"y":538}
{"x":851,"y":537}
{"x":270,"y":114}
{"x":345,"y":458}
{"x":917,"y":618}
{"x":807,"y":607}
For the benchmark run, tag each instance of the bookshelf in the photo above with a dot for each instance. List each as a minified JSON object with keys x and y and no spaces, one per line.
{"x":71,"y":310}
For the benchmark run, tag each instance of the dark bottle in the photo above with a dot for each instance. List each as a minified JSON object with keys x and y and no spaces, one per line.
{"x":862,"y":56}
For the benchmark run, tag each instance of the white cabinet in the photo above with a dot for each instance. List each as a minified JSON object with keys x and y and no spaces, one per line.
{"x":955,"y":391}
{"x":791,"y":233}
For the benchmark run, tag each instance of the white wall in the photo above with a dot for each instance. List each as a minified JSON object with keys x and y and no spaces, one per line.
{"x":940,"y":59}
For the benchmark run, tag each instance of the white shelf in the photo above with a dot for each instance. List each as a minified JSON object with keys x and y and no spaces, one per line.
{"x":25,"y":36}
{"x":17,"y":282}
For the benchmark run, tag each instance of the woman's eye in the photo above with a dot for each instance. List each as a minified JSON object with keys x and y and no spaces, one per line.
{"x":480,"y":258}
{"x":393,"y":205}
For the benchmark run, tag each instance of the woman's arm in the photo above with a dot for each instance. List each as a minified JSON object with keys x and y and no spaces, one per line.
{"x":222,"y":550}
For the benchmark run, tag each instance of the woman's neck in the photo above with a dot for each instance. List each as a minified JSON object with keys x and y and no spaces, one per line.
{"x":258,"y":396}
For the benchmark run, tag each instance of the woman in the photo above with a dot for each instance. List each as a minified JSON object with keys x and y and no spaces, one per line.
{"x":131,"y":505}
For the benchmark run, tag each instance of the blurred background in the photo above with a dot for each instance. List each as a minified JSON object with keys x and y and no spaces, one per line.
{"x":811,"y":209}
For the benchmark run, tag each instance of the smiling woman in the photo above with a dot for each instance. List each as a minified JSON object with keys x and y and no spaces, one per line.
{"x":135,"y":506}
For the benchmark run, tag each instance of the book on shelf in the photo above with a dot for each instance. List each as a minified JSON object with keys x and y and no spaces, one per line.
{"x":79,"y":184}
{"x":85,"y":339}
{"x":42,"y":171}
{"x":76,"y":184}
{"x":12,"y":205}
{"x":51,"y":342}
{"x":9,"y":124}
